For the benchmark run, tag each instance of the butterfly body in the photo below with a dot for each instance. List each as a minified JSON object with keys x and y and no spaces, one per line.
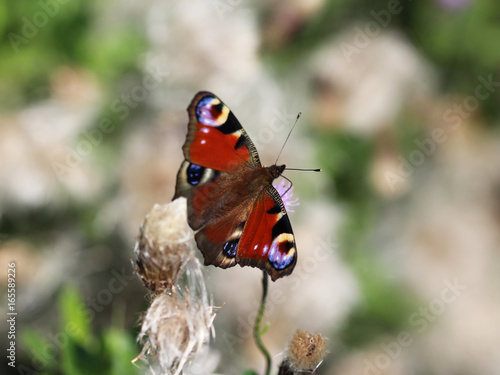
{"x":239,"y":215}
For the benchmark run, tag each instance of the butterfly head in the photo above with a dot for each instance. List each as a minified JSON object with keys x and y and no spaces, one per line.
{"x":276,"y":170}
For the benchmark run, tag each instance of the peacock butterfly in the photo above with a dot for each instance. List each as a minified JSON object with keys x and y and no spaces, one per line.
{"x":240,"y":217}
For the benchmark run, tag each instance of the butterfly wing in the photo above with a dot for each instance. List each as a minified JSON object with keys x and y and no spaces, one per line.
{"x":267,"y":241}
{"x":215,"y":137}
{"x":258,"y":236}
{"x":217,"y":151}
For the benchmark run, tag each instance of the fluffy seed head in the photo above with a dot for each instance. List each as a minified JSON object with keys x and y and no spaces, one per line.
{"x":174,"y":330}
{"x":305,"y":351}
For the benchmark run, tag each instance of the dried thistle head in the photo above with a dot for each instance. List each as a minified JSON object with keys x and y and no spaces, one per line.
{"x":179,"y":320}
{"x":174,"y":330}
{"x":304,"y":353}
{"x":164,"y":246}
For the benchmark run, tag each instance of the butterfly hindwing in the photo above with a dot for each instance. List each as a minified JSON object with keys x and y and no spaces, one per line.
{"x":260,"y":236}
{"x":201,"y":186}
{"x":219,"y":240}
{"x":268,"y":241}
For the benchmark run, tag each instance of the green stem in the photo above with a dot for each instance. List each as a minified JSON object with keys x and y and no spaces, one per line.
{"x":258,"y":321}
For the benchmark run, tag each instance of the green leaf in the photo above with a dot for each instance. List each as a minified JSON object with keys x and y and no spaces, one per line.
{"x":75,"y":317}
{"x":120,"y":349}
{"x":79,"y":360}
{"x":41,"y":350}
{"x":265,"y":328}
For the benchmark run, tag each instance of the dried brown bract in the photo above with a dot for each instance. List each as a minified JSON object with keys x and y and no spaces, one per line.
{"x":164,"y":246}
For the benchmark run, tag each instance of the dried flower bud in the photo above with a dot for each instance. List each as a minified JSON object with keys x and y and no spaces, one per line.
{"x":164,"y":246}
{"x":305,"y":353}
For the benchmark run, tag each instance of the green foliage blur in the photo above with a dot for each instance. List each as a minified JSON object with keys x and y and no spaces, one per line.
{"x":40,"y":36}
{"x":74,"y":349}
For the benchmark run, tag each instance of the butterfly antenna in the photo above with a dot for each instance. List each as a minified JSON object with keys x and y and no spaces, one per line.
{"x":291,"y":185}
{"x":288,"y":136}
{"x":305,"y":169}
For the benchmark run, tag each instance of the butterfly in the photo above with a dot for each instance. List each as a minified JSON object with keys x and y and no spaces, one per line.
{"x":239,"y":216}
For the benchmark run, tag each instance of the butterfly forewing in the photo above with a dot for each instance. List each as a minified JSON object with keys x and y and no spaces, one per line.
{"x":215,"y":137}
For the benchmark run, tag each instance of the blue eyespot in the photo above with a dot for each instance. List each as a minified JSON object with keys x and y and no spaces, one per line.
{"x":194,"y":173}
{"x":282,"y":261}
{"x":278,"y":257}
{"x":230,"y":247}
{"x":209,"y":110}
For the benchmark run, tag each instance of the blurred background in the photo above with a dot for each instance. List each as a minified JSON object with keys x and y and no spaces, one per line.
{"x":398,"y":237}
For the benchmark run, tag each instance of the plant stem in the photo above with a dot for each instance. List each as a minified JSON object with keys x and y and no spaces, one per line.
{"x":258,"y":321}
